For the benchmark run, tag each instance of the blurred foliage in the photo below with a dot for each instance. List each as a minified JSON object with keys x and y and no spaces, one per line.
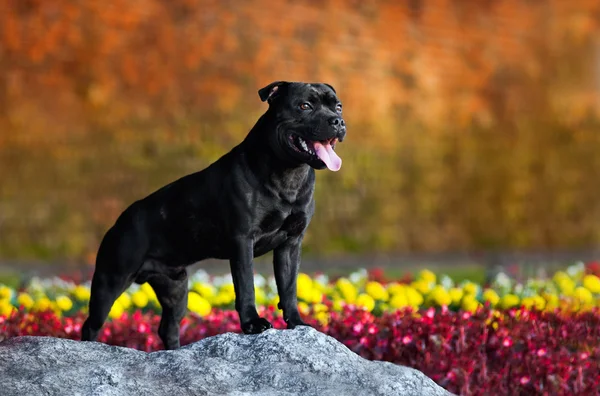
{"x":472,"y":125}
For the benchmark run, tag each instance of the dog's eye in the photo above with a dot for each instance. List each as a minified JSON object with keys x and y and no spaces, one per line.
{"x":338,"y":108}
{"x":305,"y":106}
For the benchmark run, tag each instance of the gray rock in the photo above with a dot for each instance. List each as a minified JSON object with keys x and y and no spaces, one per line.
{"x":277,"y":362}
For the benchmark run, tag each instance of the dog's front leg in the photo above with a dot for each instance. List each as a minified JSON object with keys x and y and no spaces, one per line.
{"x":286,"y":263}
{"x":243,"y":283}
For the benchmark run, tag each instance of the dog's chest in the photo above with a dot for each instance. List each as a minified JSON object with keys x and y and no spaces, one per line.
{"x":290,"y":223}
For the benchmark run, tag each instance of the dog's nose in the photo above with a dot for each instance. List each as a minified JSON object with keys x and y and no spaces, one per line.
{"x":337,"y":122}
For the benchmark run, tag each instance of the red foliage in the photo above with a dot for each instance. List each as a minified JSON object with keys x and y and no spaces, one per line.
{"x":522,"y":352}
{"x":378,"y":274}
{"x":593,"y":268}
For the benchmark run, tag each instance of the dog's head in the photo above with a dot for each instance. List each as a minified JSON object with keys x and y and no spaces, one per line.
{"x":308,"y":120}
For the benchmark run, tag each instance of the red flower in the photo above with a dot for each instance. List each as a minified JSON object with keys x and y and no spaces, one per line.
{"x":523,"y":352}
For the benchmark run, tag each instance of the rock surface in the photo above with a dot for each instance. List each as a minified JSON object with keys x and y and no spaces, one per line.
{"x":277,"y":362}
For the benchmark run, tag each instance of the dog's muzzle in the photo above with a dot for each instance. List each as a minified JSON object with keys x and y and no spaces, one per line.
{"x":323,"y":150}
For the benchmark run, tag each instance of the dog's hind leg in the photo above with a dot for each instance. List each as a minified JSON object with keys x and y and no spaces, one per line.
{"x":172,"y":294}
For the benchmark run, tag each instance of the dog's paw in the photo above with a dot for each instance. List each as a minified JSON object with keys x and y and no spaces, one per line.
{"x":292,"y":323}
{"x":256,"y":326}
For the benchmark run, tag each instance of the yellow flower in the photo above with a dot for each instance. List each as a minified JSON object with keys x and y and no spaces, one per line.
{"x":25,"y":300}
{"x":592,"y":283}
{"x":552,"y":301}
{"x":584,"y":295}
{"x":139,"y":299}
{"x":328,"y":289}
{"x":274,"y":301}
{"x":43,"y":304}
{"x":470,"y":288}
{"x":304,"y":285}
{"x":338,"y":305}
{"x":456,"y":293}
{"x":469,"y":303}
{"x":347,"y":290}
{"x":82,"y":293}
{"x":304,"y":280}
{"x":319,"y":286}
{"x":527,"y":302}
{"x":146,"y":288}
{"x":377,"y":291}
{"x":124,"y":300}
{"x":316,"y":296}
{"x":320,"y":308}
{"x":549,"y":296}
{"x":427,"y":276}
{"x":439,"y":296}
{"x":303,"y":308}
{"x":415,"y":299}
{"x":5,"y":292}
{"x":559,"y":276}
{"x":508,"y":301}
{"x":399,"y":301}
{"x":5,"y":308}
{"x":491,"y":296}
{"x":538,"y":302}
{"x":198,"y":304}
{"x":64,"y":303}
{"x":565,"y":284}
{"x":395,"y":288}
{"x":322,"y":317}
{"x":228,"y":288}
{"x":116,"y":310}
{"x":365,"y":301}
{"x":223,"y":298}
{"x":422,"y":286}
{"x":206,"y":290}
{"x":260,"y":296}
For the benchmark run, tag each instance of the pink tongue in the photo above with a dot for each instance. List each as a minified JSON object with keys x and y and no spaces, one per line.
{"x":328,"y":156}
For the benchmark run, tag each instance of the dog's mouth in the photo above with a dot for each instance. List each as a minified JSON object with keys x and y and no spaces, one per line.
{"x":318,"y":150}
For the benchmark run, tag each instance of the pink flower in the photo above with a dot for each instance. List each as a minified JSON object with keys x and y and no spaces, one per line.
{"x":541,"y":352}
{"x":430,"y":313}
{"x":406,"y":339}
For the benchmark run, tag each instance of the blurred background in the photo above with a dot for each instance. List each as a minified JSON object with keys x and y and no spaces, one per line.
{"x":473,"y":134}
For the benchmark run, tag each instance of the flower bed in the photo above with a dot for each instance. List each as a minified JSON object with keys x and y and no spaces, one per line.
{"x":507,"y":338}
{"x":517,"y":352}
{"x":575,"y":289}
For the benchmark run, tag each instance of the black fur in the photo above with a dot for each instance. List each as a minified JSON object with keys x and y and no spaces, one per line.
{"x":255,"y":199}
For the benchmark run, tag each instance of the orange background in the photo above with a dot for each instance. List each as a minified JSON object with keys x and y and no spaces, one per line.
{"x":472,"y":124}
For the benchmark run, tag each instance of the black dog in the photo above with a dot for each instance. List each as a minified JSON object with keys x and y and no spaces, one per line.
{"x":255,"y":199}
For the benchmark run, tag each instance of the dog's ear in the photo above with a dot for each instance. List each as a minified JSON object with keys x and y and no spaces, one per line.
{"x":268,"y":92}
{"x":333,"y":89}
